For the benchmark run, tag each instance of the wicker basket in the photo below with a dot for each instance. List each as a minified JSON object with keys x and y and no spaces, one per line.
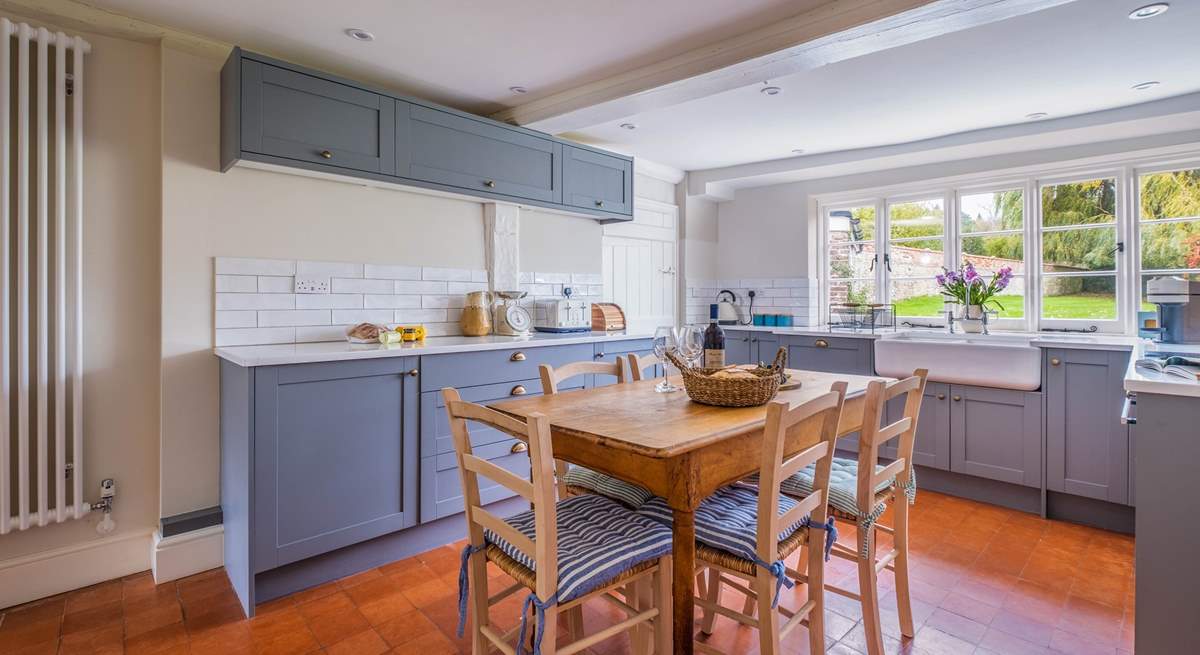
{"x":732,"y":392}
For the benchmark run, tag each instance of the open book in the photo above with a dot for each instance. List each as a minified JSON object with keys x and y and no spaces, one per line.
{"x":1187,"y":368}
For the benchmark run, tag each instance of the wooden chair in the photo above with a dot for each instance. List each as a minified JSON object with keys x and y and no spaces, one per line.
{"x":551,"y":377}
{"x":758,"y":570}
{"x":553,"y":549}
{"x":639,"y":363}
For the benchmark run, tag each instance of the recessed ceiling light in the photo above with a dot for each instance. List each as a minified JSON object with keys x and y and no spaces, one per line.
{"x":771,"y":90}
{"x":518,"y":89}
{"x":1036,"y":115}
{"x":797,"y":151}
{"x":1142,"y":86}
{"x":1148,"y":11}
{"x":628,"y":126}
{"x":359,"y":34}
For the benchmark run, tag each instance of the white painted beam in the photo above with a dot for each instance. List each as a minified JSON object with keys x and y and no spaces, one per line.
{"x":833,"y":32}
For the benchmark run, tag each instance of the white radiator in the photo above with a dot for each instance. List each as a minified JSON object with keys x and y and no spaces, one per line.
{"x":42,"y":165}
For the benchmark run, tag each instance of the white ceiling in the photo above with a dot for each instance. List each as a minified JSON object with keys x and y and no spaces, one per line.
{"x":467,"y":53}
{"x":1072,"y":59}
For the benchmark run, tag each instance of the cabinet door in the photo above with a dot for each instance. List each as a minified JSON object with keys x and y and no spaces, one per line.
{"x":486,"y":157}
{"x":305,"y":118}
{"x":592,"y":180}
{"x":611,"y":351}
{"x":932,"y":444}
{"x":997,"y":434}
{"x":335,"y":456}
{"x":831,"y":354}
{"x":738,"y":349}
{"x":764,"y":345}
{"x":1087,"y":447}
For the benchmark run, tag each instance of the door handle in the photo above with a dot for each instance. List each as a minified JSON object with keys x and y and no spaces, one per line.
{"x":1129,"y":410}
{"x":413,"y":373}
{"x":821,"y":343}
{"x":518,"y":390}
{"x":517,"y":357}
{"x":491,"y":184}
{"x":941,"y":396}
{"x":957,"y":398}
{"x":1054,"y":361}
{"x":326,"y":154}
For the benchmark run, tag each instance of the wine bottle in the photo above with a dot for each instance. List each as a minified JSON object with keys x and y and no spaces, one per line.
{"x":714,"y":342}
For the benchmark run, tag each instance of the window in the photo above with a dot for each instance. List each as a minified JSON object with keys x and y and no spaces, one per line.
{"x":1079,"y":250}
{"x":1168,"y":226}
{"x":851,"y":260}
{"x":915,"y":253}
{"x":991,"y":229}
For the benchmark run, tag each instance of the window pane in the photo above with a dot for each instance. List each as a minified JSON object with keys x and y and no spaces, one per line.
{"x":921,"y":218}
{"x":1087,"y":297}
{"x":990,"y":254}
{"x":1171,"y":245}
{"x":852,"y":224}
{"x":851,"y":291}
{"x":851,"y":260}
{"x":1149,"y":307}
{"x":1079,"y":250}
{"x":1175,"y":194}
{"x":917,"y":297}
{"x":991,"y":212}
{"x":1010,"y":303}
{"x":1079,"y":203}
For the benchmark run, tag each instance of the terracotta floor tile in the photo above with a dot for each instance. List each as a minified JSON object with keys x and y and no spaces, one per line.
{"x":152,"y":618}
{"x":401,"y":566}
{"x":230,"y":639}
{"x":314,"y":593}
{"x":1024,"y":627}
{"x":966,"y":606}
{"x":430,"y":643}
{"x":429,"y":592}
{"x":35,"y":632}
{"x":441,"y":560}
{"x":359,"y":578}
{"x":93,"y":596}
{"x":167,"y":639}
{"x":1072,"y":644}
{"x":334,"y":602}
{"x":367,"y":642}
{"x":332,"y":627}
{"x":1003,"y":643}
{"x":405,"y":627}
{"x":103,"y":641}
{"x":386,"y":608}
{"x":956,"y":625}
{"x":413,"y":576}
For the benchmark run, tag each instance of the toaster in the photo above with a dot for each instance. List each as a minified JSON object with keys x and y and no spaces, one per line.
{"x":562,"y":314}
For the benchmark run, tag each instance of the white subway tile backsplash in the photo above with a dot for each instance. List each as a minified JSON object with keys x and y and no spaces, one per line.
{"x":255,"y":336}
{"x":237,"y":319}
{"x":441,"y":302}
{"x":388,"y":272}
{"x":525,"y":278}
{"x":328,"y":269}
{"x":775,"y":293}
{"x":408,"y":316}
{"x":356,"y":316}
{"x":446,"y":274}
{"x":586,"y":278}
{"x":390,"y":301}
{"x":329,"y":301}
{"x":422,"y":287}
{"x":465,"y":287}
{"x":756,"y":283}
{"x":236,"y":284}
{"x":255,"y":301}
{"x":321,"y":333}
{"x":293,"y":318}
{"x":479,"y":276}
{"x":275,"y":284}
{"x":344,"y":285}
{"x":247,"y":266}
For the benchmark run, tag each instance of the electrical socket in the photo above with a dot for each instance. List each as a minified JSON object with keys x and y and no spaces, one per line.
{"x":312,"y":285}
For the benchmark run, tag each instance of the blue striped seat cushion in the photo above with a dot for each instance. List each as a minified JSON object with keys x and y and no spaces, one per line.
{"x":726,"y":520}
{"x":598,"y":539}
{"x":606,"y":485}
{"x":843,"y":484}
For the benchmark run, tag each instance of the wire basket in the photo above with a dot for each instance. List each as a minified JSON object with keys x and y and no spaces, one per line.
{"x":862,"y":317}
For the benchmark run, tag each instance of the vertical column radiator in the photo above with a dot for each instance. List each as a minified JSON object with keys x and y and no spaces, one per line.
{"x":41,"y":277}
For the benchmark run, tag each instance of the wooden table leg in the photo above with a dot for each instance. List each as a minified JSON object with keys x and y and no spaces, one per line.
{"x":683,"y":580}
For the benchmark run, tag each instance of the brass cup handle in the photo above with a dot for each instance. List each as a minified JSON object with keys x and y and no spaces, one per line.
{"x":1054,"y":361}
{"x":413,"y":373}
{"x":821,"y":343}
{"x":957,"y":398}
{"x":327,"y":154}
{"x":518,"y":390}
{"x":517,"y":357}
{"x":491,"y":184}
{"x":519,"y":447}
{"x":941,"y":396}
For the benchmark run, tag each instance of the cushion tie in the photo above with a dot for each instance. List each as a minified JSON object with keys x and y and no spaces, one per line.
{"x":910,"y":486}
{"x":866,"y":523}
{"x":464,"y":584}
{"x":831,"y":533}
{"x":540,"y":607}
{"x":779,"y":570}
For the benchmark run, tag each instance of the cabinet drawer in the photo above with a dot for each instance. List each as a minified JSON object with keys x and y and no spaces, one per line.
{"x":441,"y":486}
{"x":830,"y":354}
{"x":472,"y":369}
{"x":592,"y":180}
{"x":461,"y":152}
{"x":305,"y":118}
{"x":435,"y":424}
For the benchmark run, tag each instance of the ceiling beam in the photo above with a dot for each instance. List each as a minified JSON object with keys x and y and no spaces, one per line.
{"x":835,"y":31}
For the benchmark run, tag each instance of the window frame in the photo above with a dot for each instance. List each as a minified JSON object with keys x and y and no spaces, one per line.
{"x":1137,"y":222}
{"x":1016,"y":184}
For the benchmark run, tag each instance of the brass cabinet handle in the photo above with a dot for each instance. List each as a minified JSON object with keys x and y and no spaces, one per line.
{"x":491,"y":184}
{"x":517,"y":357}
{"x":941,"y":396}
{"x":327,"y":154}
{"x":821,"y":343}
{"x":1054,"y":361}
{"x":413,"y":373}
{"x":957,"y":398}
{"x":518,"y":390}
{"x":519,"y":447}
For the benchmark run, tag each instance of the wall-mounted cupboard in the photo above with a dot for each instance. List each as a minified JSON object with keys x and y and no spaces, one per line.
{"x":276,"y":113}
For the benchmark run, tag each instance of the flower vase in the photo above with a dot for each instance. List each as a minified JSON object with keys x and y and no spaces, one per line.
{"x":970,"y":318}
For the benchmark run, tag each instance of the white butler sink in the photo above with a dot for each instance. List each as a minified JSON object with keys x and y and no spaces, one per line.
{"x":1005,"y":361}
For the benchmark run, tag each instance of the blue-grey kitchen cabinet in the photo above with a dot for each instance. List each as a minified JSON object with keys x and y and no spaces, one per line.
{"x":996,"y":434}
{"x":751,"y":347}
{"x":932,"y":444}
{"x":595,"y":180}
{"x":611,"y":351}
{"x":1087,"y":447}
{"x":316,"y":457}
{"x":305,"y":118}
{"x":831,"y":354}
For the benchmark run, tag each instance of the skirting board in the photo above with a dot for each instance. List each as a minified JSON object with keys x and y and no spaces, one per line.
{"x":51,"y":572}
{"x":188,"y":553}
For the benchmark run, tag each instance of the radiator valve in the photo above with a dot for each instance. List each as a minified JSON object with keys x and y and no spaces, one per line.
{"x":108,"y":491}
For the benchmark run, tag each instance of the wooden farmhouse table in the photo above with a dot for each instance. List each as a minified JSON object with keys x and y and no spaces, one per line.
{"x":678,"y":449}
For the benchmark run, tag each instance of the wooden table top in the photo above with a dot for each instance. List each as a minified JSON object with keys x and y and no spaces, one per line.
{"x":633,"y":417}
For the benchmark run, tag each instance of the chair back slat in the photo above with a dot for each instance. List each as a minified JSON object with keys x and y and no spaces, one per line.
{"x":552,"y":377}
{"x":802,"y":459}
{"x":638,"y":365}
{"x":505,"y":531}
{"x":480,"y":466}
{"x":803,"y":508}
{"x":892,"y":431}
{"x":874,"y":435}
{"x":889,"y":472}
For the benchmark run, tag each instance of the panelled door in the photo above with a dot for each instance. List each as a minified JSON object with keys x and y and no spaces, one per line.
{"x":639,"y":275}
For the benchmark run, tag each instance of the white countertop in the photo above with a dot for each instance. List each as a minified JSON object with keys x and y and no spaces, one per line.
{"x":1143,"y":381}
{"x":1089,"y":341}
{"x":337,"y":351}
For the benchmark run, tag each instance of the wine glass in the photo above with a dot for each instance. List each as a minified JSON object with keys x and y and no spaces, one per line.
{"x":665,"y":342}
{"x":691,"y":343}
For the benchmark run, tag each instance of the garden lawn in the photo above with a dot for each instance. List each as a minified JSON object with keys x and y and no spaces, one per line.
{"x":1084,"y":306}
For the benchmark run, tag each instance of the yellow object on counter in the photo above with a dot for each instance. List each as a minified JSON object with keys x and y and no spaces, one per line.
{"x":411,"y":332}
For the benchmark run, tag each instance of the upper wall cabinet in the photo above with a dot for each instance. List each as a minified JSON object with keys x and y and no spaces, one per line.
{"x":273,"y":112}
